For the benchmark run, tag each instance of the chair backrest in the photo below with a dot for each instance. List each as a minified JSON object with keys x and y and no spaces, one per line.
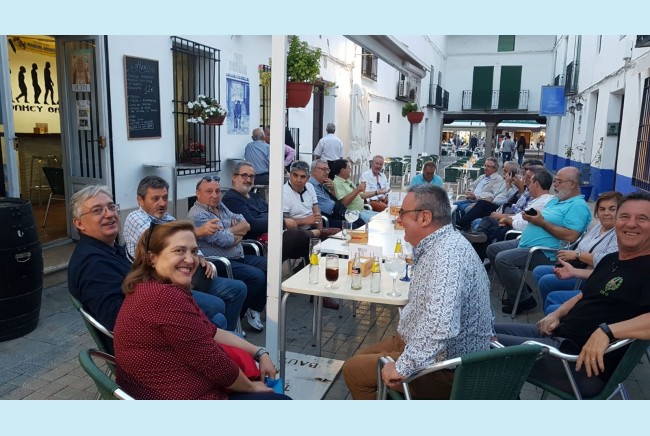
{"x":102,"y":336}
{"x":54,"y":178}
{"x":496,"y":374}
{"x":108,"y":388}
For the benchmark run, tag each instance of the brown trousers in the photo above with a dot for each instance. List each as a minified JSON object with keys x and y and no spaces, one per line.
{"x":360,"y":373}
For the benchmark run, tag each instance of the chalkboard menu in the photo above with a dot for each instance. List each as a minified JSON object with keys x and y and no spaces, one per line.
{"x":142,"y":97}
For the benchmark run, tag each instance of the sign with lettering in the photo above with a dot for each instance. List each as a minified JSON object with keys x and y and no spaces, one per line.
{"x":142,"y":97}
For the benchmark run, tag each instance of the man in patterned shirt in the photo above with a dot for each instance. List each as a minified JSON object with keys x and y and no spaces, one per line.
{"x":448,"y":313}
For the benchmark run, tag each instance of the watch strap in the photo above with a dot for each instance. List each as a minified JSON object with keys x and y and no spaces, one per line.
{"x":259,"y":353}
{"x":605,"y":328}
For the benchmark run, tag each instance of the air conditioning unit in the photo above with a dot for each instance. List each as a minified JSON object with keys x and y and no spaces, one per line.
{"x":403,"y":88}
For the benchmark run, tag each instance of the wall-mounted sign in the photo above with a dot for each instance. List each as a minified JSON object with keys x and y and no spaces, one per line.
{"x":613,"y":129}
{"x":142,"y":97}
{"x":553,"y":101}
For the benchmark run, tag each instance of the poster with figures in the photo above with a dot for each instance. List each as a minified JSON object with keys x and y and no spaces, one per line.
{"x":81,"y":67}
{"x":238,"y":104}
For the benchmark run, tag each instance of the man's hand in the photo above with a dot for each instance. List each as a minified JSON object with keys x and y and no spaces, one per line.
{"x":390,"y":376}
{"x":533,"y":219}
{"x":591,"y":355}
{"x":566,"y":272}
{"x":505,"y":221}
{"x":548,"y":324}
{"x":290,"y":223}
{"x":209,"y":268}
{"x":208,"y":228}
{"x":470,"y":195}
{"x":361,"y":187}
{"x":330,"y":184}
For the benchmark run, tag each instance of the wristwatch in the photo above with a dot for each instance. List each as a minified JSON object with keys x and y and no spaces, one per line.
{"x":605,"y":328}
{"x":578,"y":253}
{"x":259,"y":353}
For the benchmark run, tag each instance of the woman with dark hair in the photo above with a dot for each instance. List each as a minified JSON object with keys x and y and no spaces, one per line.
{"x":521,"y":149}
{"x":599,"y":241}
{"x":165,"y":347}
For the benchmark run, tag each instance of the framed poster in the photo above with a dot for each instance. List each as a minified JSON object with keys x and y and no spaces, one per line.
{"x":142,"y":97}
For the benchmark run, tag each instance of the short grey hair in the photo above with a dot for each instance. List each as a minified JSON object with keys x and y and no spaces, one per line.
{"x":512,"y":164}
{"x":151,"y":182}
{"x":80,"y":197}
{"x":243,"y":163}
{"x":494,"y":160}
{"x":435,"y":200}
{"x":316,"y":162}
{"x":299,"y":165}
{"x":258,"y":134}
{"x":429,"y":164}
{"x":331,"y":128}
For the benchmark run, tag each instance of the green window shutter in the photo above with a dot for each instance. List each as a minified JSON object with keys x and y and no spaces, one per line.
{"x":482,"y":88}
{"x":506,"y":43}
{"x":509,"y":87}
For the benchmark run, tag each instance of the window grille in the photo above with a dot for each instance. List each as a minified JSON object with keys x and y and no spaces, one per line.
{"x":641,"y":175}
{"x":368,"y":64}
{"x":196,"y":71}
{"x":265,"y":99}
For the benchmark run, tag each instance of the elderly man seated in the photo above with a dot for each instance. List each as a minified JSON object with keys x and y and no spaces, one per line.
{"x":485,"y":195}
{"x":614,"y":304}
{"x":351,"y":196}
{"x":329,"y":206}
{"x":376,"y":184}
{"x":224,"y":240}
{"x":428,"y":176}
{"x":565,"y":218}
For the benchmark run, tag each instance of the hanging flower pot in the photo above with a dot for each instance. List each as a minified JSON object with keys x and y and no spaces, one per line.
{"x":299,"y":94}
{"x":215,"y":120}
{"x":415,"y":117}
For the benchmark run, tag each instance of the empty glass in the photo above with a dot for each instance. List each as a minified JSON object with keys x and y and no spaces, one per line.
{"x":351,"y":216}
{"x":394,"y":266}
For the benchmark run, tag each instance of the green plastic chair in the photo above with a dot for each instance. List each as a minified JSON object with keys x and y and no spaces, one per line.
{"x":495,"y":374}
{"x":103,"y":337}
{"x":614,"y":386}
{"x":108,"y":388}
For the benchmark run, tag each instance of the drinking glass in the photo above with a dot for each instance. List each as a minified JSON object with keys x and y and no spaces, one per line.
{"x":331,"y":270}
{"x":346,"y":232}
{"x":394,"y":266}
{"x":563,"y":245}
{"x":408,"y":258}
{"x":351,"y":216}
{"x":314,"y":249}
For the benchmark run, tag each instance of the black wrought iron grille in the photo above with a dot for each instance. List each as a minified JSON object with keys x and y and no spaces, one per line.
{"x":368,"y":64}
{"x":641,"y":175}
{"x":265,"y":100}
{"x":197,"y":71}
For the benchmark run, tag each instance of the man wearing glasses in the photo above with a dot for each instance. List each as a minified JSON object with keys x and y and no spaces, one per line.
{"x":564,"y":218}
{"x":487,"y":187}
{"x":448,"y":313}
{"x":152,"y":196}
{"x":225,"y":241}
{"x":376,"y":184}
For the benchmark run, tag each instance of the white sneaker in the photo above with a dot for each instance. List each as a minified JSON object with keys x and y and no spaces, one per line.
{"x":253,"y":319}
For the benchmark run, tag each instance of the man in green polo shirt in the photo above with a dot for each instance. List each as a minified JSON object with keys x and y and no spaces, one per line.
{"x":351,"y":196}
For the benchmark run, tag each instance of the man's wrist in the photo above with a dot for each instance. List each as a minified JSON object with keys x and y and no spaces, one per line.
{"x":605,"y":328}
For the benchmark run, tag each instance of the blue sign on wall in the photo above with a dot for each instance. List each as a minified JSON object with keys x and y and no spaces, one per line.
{"x":553,"y":101}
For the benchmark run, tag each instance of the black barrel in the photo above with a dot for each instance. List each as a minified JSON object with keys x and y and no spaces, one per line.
{"x":21,"y":269}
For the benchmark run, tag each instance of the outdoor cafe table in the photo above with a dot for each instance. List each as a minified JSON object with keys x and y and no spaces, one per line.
{"x":299,"y":284}
{"x":465,"y":173}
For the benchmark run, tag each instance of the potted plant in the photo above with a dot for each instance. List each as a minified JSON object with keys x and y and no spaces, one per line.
{"x":194,"y":153}
{"x":412,"y":113}
{"x":303,"y":68}
{"x":206,"y":110}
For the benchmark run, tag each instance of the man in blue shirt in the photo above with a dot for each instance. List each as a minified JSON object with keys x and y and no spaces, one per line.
{"x":564,"y":218}
{"x":258,"y":153}
{"x":324,"y":188}
{"x":428,"y":176}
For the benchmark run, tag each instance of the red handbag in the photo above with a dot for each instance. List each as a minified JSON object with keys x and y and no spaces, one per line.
{"x":243,"y":360}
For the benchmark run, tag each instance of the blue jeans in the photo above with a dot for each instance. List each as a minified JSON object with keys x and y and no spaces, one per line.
{"x":252,"y":271}
{"x":233,"y":293}
{"x":213,"y":307}
{"x":366,"y":215}
{"x":556,"y":298}
{"x":547,"y":282}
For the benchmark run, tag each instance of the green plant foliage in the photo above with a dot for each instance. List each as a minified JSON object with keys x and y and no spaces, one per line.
{"x":303,"y":64}
{"x":409,"y":107}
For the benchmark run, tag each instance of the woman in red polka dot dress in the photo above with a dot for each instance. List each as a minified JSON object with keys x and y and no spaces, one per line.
{"x":165,"y":348}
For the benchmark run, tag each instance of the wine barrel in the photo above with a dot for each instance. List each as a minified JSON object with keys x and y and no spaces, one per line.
{"x":21,"y":269}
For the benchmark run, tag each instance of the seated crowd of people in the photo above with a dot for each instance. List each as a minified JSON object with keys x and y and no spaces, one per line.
{"x":177,"y":318}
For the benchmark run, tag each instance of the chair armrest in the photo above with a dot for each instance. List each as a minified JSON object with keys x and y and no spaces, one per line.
{"x":255,"y":246}
{"x":366,"y":206}
{"x":512,"y":234}
{"x":224,"y":261}
{"x":89,"y":318}
{"x":382,"y":389}
{"x":554,"y":352}
{"x":326,"y":221}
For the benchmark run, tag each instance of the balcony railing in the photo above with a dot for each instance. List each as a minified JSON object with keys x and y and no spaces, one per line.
{"x":495,"y":100}
{"x":438,"y":98}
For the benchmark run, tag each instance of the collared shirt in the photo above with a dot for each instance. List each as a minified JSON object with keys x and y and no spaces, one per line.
{"x":572,"y":213}
{"x":539,"y":203}
{"x":222,"y":243}
{"x":329,"y":147}
{"x":488,"y":187}
{"x":374,"y":183}
{"x":345,"y":187}
{"x":522,"y":203}
{"x":299,"y":205}
{"x":258,"y":154}
{"x":597,"y":244}
{"x":137,"y":222}
{"x":95,"y":275}
{"x":325,"y":201}
{"x":419,"y":180}
{"x":448,"y":313}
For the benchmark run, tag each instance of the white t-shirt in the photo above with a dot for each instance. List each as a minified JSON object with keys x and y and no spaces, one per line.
{"x":372,"y":185}
{"x":329,"y":147}
{"x":299,"y":205}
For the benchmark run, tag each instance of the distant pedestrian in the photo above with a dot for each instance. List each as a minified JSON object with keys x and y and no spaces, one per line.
{"x":521,"y":149}
{"x":507,"y":148}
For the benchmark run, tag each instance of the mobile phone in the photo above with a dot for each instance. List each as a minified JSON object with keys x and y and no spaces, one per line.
{"x":513,"y":174}
{"x":531,"y":212}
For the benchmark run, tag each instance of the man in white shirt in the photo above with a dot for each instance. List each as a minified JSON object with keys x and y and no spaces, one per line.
{"x":376,"y":183}
{"x":330,"y":146}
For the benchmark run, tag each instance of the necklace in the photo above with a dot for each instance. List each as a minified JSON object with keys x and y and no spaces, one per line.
{"x":615,"y":265}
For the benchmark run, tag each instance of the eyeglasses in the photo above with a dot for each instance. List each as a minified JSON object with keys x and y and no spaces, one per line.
{"x":560,"y":181}
{"x":323,"y":169}
{"x":489,"y":166}
{"x":403,"y":212}
{"x":208,"y":179}
{"x":245,"y":176}
{"x":100,"y":210}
